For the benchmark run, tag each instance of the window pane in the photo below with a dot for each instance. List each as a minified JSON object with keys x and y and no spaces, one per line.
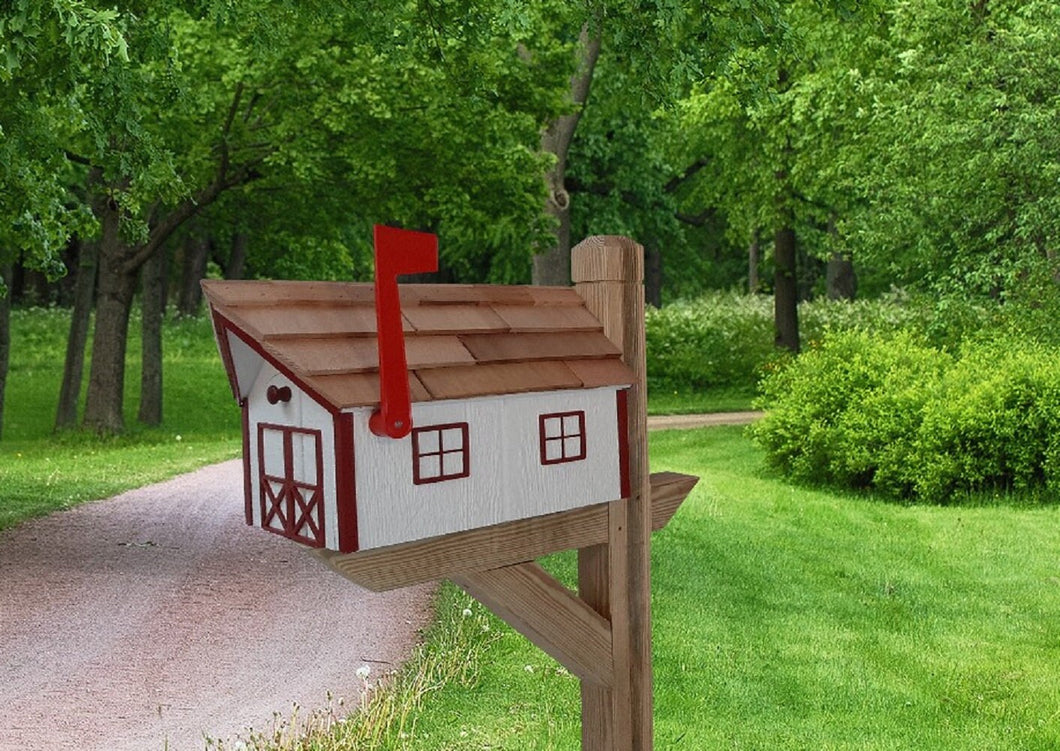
{"x":304,"y":449}
{"x":571,"y":425}
{"x":553,"y":426}
{"x":427,"y":441}
{"x":453,"y":463}
{"x":453,"y":439}
{"x":553,"y":451}
{"x":430,"y":467}
{"x":572,"y":447}
{"x":272,"y":451}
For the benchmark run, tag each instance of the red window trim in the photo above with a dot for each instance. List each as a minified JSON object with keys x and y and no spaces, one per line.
{"x":418,"y":454}
{"x":561,"y":439}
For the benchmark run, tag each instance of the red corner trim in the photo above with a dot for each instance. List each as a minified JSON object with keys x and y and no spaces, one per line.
{"x":251,"y":342}
{"x":622,"y":405}
{"x":345,"y":483}
{"x":248,"y":492}
{"x":220,"y":325}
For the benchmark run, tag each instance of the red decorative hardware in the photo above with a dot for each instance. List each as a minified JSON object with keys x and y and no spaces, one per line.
{"x":397,"y":251}
{"x":278,"y":394}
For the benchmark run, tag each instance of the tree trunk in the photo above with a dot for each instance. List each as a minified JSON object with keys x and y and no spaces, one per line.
{"x":6,"y":275}
{"x":754,"y":256}
{"x":842,"y":281}
{"x":653,"y":277}
{"x":553,"y":266}
{"x":117,"y":285}
{"x":153,"y":305}
{"x":237,"y":258}
{"x":196,"y":250}
{"x":80,"y":317}
{"x":785,"y":290}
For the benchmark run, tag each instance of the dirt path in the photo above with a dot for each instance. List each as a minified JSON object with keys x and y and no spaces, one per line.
{"x":159,"y":617}
{"x":675,"y":422}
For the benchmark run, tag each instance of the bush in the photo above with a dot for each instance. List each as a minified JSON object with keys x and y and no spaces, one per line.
{"x":719,"y":340}
{"x":726,"y":339}
{"x":896,"y":414}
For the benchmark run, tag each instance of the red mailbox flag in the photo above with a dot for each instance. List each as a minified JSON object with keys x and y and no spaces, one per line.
{"x":397,"y":251}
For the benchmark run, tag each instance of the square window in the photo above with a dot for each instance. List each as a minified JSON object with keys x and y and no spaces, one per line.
{"x":430,"y":441}
{"x":440,"y":452}
{"x":430,"y":466}
{"x":452,"y":463}
{"x":562,"y":437}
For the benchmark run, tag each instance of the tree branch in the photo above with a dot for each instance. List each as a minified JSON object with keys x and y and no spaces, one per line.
{"x":690,"y":171}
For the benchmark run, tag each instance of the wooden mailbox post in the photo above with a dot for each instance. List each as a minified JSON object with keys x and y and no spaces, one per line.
{"x":602,"y":633}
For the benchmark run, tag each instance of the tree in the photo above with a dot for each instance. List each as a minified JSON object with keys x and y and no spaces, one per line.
{"x":46,"y":46}
{"x":770,"y":121}
{"x":332,"y":119}
{"x":962,"y":100}
{"x":5,"y":337}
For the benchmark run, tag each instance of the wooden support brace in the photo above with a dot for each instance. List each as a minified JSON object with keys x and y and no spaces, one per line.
{"x":530,"y":600}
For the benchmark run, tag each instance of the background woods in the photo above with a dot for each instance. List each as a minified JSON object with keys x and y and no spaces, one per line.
{"x":794,"y":148}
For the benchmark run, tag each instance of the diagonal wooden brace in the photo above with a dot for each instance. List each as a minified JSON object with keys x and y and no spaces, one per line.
{"x":532,"y":602}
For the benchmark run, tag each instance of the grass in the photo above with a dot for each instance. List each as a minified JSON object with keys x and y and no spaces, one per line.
{"x":690,"y":402}
{"x":792,"y":618}
{"x":41,"y":471}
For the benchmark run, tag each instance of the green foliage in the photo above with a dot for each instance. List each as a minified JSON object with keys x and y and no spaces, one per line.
{"x":911,"y":420}
{"x":718,"y":340}
{"x":974,"y":85}
{"x":726,"y":340}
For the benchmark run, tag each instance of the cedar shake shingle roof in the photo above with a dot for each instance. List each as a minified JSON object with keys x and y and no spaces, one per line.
{"x":460,"y":340}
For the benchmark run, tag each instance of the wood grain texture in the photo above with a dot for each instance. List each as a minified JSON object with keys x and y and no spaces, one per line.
{"x":608,"y":272}
{"x":451,"y":555}
{"x":453,"y":319}
{"x":498,"y":378}
{"x":537,"y":346}
{"x":530,"y":600}
{"x":359,"y":354}
{"x":551,"y":318}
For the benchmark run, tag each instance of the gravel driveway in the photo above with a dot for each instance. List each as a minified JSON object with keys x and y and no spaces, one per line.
{"x":158,"y":617}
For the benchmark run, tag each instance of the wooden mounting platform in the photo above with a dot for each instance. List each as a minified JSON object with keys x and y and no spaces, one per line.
{"x":483,"y":549}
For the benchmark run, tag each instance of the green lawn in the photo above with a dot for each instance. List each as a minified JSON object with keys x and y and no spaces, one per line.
{"x":788,"y":618}
{"x":41,"y":471}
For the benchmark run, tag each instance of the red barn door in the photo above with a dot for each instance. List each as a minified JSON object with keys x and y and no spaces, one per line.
{"x":291,"y":481}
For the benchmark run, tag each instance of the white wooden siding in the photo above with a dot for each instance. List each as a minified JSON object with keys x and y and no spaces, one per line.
{"x":301,"y":411}
{"x":506,"y":481}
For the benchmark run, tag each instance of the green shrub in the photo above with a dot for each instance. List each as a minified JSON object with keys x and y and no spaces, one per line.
{"x":896,"y":414}
{"x":726,"y":339}
{"x":841,"y":408}
{"x":997,"y":427}
{"x":718,"y":340}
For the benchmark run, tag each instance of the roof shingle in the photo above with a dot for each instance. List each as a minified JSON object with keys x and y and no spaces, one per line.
{"x":461,"y":340}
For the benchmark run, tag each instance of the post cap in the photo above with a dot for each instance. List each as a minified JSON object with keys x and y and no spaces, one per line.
{"x":607,"y":258}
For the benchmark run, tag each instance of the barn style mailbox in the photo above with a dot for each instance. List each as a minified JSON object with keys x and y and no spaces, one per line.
{"x":418,"y":432}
